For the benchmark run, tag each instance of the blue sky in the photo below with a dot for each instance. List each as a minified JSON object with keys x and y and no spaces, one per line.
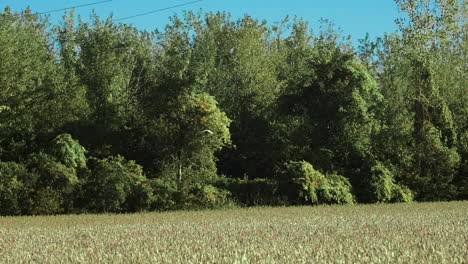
{"x":354,"y":17}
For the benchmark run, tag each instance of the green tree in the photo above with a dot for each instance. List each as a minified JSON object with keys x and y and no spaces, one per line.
{"x":420,"y":132}
{"x":190,"y":134}
{"x":113,"y":64}
{"x":334,"y":104}
{"x":228,"y":60}
{"x":36,"y":100}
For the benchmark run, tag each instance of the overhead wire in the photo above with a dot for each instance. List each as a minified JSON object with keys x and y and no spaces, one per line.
{"x":158,"y":10}
{"x":72,"y":7}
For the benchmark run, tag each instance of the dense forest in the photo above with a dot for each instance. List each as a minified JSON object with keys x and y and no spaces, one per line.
{"x":213,"y":112}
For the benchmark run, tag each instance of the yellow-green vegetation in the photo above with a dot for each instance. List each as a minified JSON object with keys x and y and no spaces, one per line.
{"x":397,"y":233}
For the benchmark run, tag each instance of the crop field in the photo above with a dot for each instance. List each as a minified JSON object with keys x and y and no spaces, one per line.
{"x":399,"y":233}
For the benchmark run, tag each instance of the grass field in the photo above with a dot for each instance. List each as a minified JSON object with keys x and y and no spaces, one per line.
{"x":400,"y":233}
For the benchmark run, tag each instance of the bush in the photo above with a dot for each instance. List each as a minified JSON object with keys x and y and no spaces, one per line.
{"x":203,"y":196}
{"x":401,"y":194}
{"x":54,"y":183}
{"x":52,"y":173}
{"x":169,"y":194}
{"x":336,"y":189}
{"x":113,"y":185}
{"x":165,"y":194}
{"x":300,"y":182}
{"x":461,"y":180}
{"x":141,"y":198}
{"x":383,"y":188}
{"x":11,"y":187}
{"x":68,"y":151}
{"x":46,"y":201}
{"x":253,"y":192}
{"x":381,"y":184}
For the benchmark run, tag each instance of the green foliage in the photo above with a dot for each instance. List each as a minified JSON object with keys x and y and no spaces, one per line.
{"x":231,"y":61}
{"x":304,"y":185}
{"x":381,"y":183}
{"x":11,"y":188}
{"x":54,"y":181}
{"x":463,"y":182}
{"x":166,"y":195}
{"x":383,"y":188}
{"x":111,"y":182}
{"x":51,"y":172}
{"x":40,"y":187}
{"x":329,"y":107}
{"x":207,"y":196}
{"x":301,"y":182}
{"x":190,"y":134}
{"x":209,"y":95}
{"x":253,"y":192}
{"x":402,"y":194}
{"x":46,"y":201}
{"x":336,"y":190}
{"x":68,"y":151}
{"x":172,"y":194}
{"x":141,"y":198}
{"x":108,"y":57}
{"x":36,"y":99}
{"x":423,"y":119}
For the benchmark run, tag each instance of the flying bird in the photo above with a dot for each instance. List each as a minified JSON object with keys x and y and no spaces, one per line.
{"x":207,"y":131}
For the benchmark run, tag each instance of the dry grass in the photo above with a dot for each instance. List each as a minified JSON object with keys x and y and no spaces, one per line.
{"x":401,"y":233}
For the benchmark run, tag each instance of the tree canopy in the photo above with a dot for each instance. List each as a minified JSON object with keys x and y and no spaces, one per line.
{"x":210,"y":111}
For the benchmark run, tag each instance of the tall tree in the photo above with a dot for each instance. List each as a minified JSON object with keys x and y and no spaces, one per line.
{"x":36,"y":100}
{"x":333,"y":99}
{"x":112,"y":61}
{"x":188,"y":136}
{"x":417,"y":115}
{"x":243,"y":79}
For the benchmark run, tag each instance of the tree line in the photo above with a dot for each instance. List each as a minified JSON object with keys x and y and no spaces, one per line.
{"x":212,"y":112}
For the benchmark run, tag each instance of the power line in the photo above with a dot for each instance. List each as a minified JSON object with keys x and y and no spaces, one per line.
{"x":52,"y":11}
{"x":159,"y":10}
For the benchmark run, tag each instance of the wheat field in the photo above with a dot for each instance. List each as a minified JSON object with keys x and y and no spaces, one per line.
{"x":398,"y":233}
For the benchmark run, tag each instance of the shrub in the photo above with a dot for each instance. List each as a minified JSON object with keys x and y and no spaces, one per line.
{"x":11,"y":187}
{"x":252,"y":192}
{"x":68,"y":151}
{"x":381,"y":184}
{"x":165,"y":194}
{"x":401,"y":194}
{"x":461,"y":180}
{"x":53,"y":183}
{"x":52,"y":173}
{"x":141,"y":198}
{"x":46,"y":201}
{"x":170,"y":194}
{"x":336,"y":189}
{"x":207,"y":196}
{"x":383,"y":188}
{"x":301,"y":182}
{"x":111,"y":183}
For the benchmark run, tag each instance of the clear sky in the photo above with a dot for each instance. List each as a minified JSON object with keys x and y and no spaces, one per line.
{"x":354,"y":17}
